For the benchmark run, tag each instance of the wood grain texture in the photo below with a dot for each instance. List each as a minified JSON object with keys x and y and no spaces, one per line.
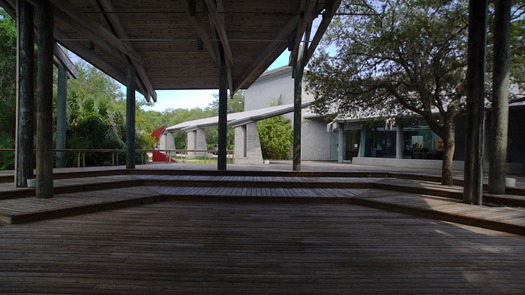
{"x":188,"y":247}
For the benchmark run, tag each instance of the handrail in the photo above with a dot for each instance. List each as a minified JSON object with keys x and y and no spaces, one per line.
{"x":183,"y":153}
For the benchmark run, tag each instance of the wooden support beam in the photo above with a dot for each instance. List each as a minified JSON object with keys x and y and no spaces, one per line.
{"x":86,"y":26}
{"x":221,"y":30}
{"x":121,"y":33}
{"x":306,"y":12}
{"x":499,"y":116}
{"x":130,"y":117}
{"x":265,"y":53}
{"x":200,"y":30}
{"x":44,"y":101}
{"x":64,"y":60}
{"x":61,"y":125}
{"x":223,"y":112}
{"x":297,"y":114}
{"x":25,"y":104}
{"x":477,"y":39}
{"x":328,"y":14}
{"x":219,"y":25}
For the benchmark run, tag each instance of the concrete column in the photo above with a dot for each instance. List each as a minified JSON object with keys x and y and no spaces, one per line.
{"x":477,"y":36}
{"x":130,"y":116}
{"x":61,"y":116}
{"x":190,"y":142}
{"x":297,"y":114}
{"x":400,"y":142}
{"x":240,"y":142}
{"x":248,"y":145}
{"x":44,"y":101}
{"x":340,"y":142}
{"x":223,"y":112}
{"x":200,"y":142}
{"x":196,"y":140}
{"x":25,"y":99}
{"x":499,"y":119}
{"x":362,"y":142}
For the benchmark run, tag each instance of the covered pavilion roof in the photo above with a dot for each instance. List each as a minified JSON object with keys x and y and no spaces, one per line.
{"x":236,"y":119}
{"x":177,"y":44}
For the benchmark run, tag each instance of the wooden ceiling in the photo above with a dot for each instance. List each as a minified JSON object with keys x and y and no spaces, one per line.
{"x":174,"y":44}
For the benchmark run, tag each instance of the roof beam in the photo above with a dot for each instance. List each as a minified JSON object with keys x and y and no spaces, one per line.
{"x":307,"y":8}
{"x":85,"y":25}
{"x":93,"y":58}
{"x":218,"y":23}
{"x":200,"y":30}
{"x":328,"y":14}
{"x":60,"y":56}
{"x":285,"y":31}
{"x":115,"y":24}
{"x":220,"y":28}
{"x":64,"y":59}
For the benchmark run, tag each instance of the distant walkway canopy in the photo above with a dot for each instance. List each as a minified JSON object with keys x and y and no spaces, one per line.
{"x":237,"y":119}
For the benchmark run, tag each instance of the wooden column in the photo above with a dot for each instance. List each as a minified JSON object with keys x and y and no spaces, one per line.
{"x":61,"y":116}
{"x":477,"y":35}
{"x":499,"y":117}
{"x":44,"y":101}
{"x":130,"y":116}
{"x":297,"y":91}
{"x":223,"y":111}
{"x":25,"y":98}
{"x":341,"y":142}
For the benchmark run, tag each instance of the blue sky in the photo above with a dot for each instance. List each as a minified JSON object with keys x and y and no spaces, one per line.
{"x":189,"y":99}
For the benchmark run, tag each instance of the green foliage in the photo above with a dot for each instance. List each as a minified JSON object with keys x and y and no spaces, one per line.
{"x":7,"y":159}
{"x":7,"y":73}
{"x":276,"y":137}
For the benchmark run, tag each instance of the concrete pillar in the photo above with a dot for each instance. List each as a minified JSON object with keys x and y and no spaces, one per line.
{"x":44,"y":101}
{"x":130,"y":116}
{"x":196,"y":140}
{"x":362,"y":142}
{"x":297,"y":114}
{"x":61,"y":116}
{"x":477,"y":36}
{"x":190,"y":142}
{"x":240,"y":142}
{"x":340,"y":142}
{"x":400,"y":142}
{"x":248,"y":145}
{"x":25,"y":99}
{"x":499,"y":119}
{"x":166,"y":141}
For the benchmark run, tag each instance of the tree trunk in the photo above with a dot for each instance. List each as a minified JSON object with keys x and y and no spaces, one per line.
{"x":448,"y":154}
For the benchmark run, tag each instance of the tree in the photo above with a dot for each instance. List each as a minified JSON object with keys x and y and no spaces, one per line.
{"x":397,"y":58}
{"x":7,"y":74}
{"x":276,"y":135}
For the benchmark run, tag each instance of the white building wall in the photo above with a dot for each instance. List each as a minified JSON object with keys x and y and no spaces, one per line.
{"x":315,"y":145}
{"x":279,"y":83}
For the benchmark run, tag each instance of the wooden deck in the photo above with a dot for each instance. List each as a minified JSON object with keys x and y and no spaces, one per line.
{"x":191,"y":247}
{"x":253,"y":233}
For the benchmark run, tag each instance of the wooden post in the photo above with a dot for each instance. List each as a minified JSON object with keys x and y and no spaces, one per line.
{"x":477,"y":35}
{"x":44,"y":101}
{"x":130,"y":116}
{"x":340,"y":142}
{"x":223,"y":112}
{"x":499,"y":118}
{"x":25,"y":98}
{"x":298,"y":91}
{"x":61,"y":116}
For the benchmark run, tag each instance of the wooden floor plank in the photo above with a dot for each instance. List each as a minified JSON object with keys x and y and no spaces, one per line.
{"x":263,"y":248}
